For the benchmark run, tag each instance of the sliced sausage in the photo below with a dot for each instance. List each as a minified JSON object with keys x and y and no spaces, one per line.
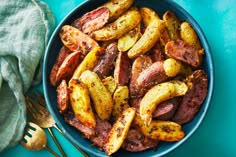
{"x":193,"y":99}
{"x":182,"y":51}
{"x":64,"y":52}
{"x":106,"y":65}
{"x":92,"y":20}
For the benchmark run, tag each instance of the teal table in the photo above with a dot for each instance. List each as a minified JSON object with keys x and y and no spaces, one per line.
{"x":217,"y":135}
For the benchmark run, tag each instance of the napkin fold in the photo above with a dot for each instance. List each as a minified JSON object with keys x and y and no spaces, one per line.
{"x":25,"y":26}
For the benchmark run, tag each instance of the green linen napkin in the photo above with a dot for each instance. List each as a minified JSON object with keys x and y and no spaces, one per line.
{"x":25,"y":26}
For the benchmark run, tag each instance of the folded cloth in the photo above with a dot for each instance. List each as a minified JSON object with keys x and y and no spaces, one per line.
{"x":25,"y":26}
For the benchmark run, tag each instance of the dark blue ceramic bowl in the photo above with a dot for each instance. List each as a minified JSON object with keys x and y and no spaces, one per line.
{"x":51,"y":54}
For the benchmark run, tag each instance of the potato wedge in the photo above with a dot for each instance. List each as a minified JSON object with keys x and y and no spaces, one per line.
{"x":80,"y":103}
{"x":110,"y":84}
{"x":160,"y":130}
{"x":119,"y":131}
{"x":120,"y":97}
{"x":151,"y":34}
{"x":189,"y":35}
{"x":158,"y":94}
{"x":117,"y":7}
{"x":76,"y":40}
{"x":129,"y":39}
{"x":125,"y":23}
{"x":88,"y":62}
{"x":101,"y":97}
{"x":68,"y":67}
{"x":172,"y":24}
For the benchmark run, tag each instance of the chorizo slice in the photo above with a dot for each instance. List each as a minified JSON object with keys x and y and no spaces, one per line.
{"x":92,"y":20}
{"x":193,"y":99}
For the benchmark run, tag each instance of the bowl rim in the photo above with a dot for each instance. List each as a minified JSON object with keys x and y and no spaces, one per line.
{"x":207,"y":100}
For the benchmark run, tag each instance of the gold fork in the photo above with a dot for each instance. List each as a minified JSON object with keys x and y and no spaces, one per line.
{"x":39,"y":114}
{"x":35,"y":138}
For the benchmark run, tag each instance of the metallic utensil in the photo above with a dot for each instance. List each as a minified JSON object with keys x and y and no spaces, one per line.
{"x":35,"y":138}
{"x":39,"y":114}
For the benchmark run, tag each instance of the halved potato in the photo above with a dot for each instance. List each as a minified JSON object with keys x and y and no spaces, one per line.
{"x":110,"y":83}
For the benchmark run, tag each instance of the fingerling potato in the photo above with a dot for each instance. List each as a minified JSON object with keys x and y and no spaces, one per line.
{"x":80,"y":103}
{"x":110,"y":83}
{"x":151,"y":34}
{"x":101,"y":97}
{"x":160,"y":130}
{"x":158,"y":94}
{"x":119,"y":131}
{"x":63,"y":97}
{"x":121,"y":26}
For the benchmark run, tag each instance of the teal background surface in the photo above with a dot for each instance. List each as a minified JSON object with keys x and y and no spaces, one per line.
{"x":216,"y":136}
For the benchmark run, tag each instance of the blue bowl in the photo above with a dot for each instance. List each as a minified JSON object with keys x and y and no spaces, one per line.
{"x":51,"y":54}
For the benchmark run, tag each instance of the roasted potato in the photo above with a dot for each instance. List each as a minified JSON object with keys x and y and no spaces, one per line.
{"x":158,"y":94}
{"x":129,"y":39}
{"x":110,"y":84}
{"x":119,"y":131}
{"x":120,"y":97}
{"x":125,"y":23}
{"x":76,"y":40}
{"x":172,"y":67}
{"x":68,"y":67}
{"x":88,"y":62}
{"x":160,"y":130}
{"x":151,"y":34}
{"x":117,"y":7}
{"x":172,"y":24}
{"x":80,"y":103}
{"x":63,"y":97}
{"x":189,"y":35}
{"x":102,"y":99}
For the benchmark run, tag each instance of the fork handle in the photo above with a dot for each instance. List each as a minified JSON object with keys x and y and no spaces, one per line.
{"x":57,"y":143}
{"x":81,"y":151}
{"x":51,"y":151}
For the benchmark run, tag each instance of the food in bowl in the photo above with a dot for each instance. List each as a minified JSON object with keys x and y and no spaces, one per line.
{"x":130,"y":80}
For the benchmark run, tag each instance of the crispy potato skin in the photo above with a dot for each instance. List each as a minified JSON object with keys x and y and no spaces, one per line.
{"x":117,"y":7}
{"x":63,"y":97}
{"x":158,"y":94}
{"x":88,"y":62}
{"x":63,"y":53}
{"x":120,"y":98}
{"x":160,"y":130}
{"x":121,"y":26}
{"x":119,"y":131}
{"x":102,"y":99}
{"x":151,"y":34}
{"x":68,"y":67}
{"x":76,"y":40}
{"x":172,"y":24}
{"x":80,"y":103}
{"x":92,"y":20}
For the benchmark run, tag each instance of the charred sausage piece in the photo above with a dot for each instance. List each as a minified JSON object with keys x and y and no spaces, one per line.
{"x":105,"y":65}
{"x":152,"y":75}
{"x":92,"y":20}
{"x":136,"y":142}
{"x":62,"y":97}
{"x":138,"y":66}
{"x":182,"y":51}
{"x":193,"y":99}
{"x":122,"y":69}
{"x":167,"y":109}
{"x":64,"y":52}
{"x":68,"y":67}
{"x":73,"y":121}
{"x":157,"y":53}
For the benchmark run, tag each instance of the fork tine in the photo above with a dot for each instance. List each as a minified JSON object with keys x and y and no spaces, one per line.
{"x":30,"y":107}
{"x":30,"y":131}
{"x":38,"y":108}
